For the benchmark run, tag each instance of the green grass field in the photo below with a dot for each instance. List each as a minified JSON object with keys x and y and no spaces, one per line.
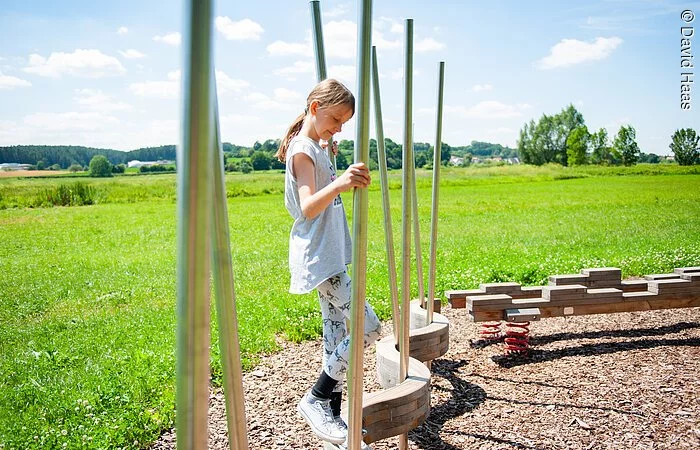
{"x":87,"y":293}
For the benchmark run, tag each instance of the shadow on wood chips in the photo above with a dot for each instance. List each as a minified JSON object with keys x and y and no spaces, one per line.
{"x":538,"y":356}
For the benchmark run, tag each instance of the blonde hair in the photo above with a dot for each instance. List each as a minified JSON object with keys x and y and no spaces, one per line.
{"x":328,"y":92}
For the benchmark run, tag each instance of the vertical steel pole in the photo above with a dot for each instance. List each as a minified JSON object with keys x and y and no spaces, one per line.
{"x":318,"y":40}
{"x":384,"y":180}
{"x":407,"y":161}
{"x":360,"y":213}
{"x":436,"y":189}
{"x":416,"y":234}
{"x":226,"y":302}
{"x":195,"y":162}
{"x":320,"y":54}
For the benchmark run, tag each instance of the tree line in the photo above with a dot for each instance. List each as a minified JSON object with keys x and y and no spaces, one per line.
{"x":238,"y":158}
{"x":44,"y":156}
{"x":564,"y":138}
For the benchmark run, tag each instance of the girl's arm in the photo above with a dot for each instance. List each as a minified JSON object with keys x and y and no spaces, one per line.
{"x":313,"y":202}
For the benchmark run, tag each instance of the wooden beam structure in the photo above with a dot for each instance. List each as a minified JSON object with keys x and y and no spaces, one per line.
{"x":593,"y":291}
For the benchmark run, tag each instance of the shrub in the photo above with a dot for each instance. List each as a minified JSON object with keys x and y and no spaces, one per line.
{"x":100,"y":166}
{"x":685,"y":147}
{"x":76,"y":194}
{"x":75,"y":168}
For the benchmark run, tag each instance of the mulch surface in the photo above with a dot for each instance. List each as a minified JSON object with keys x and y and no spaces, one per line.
{"x":616,"y":381}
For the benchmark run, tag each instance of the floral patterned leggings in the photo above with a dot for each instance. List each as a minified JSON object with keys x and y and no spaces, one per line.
{"x":334,"y":295}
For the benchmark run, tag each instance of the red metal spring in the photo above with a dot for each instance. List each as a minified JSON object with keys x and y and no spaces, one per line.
{"x":517,"y":337}
{"x":490,"y":331}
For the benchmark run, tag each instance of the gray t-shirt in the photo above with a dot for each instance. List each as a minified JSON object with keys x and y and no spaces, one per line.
{"x":320,"y":247}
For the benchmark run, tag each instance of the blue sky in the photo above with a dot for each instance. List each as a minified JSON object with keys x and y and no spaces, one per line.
{"x":107,"y":74}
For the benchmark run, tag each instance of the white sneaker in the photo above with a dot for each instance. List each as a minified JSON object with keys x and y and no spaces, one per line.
{"x":343,"y":426}
{"x":319,"y":416}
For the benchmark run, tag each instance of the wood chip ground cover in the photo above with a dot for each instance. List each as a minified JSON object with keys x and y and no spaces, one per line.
{"x":616,"y":381}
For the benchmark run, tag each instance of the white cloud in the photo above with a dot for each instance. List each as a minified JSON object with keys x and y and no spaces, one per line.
{"x":344,"y":74}
{"x":281,"y":48}
{"x":85,"y":63}
{"x":482,"y":87}
{"x":428,"y":45}
{"x":569,"y":52}
{"x":170,"y":38}
{"x":382,"y":43}
{"x":122,"y":30}
{"x":339,"y":10}
{"x":10,"y":82}
{"x":298,"y":67}
{"x":489,"y":109}
{"x":286,"y":95}
{"x":225,"y":84}
{"x":169,"y":89}
{"x":97,"y":100}
{"x":340,"y":39}
{"x":281,"y":100}
{"x":393,"y":25}
{"x":70,"y":121}
{"x":132,"y":54}
{"x":396,"y":74}
{"x":242,"y":30}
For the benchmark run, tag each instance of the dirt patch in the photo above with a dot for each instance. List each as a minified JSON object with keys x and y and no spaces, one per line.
{"x":31,"y":173}
{"x":616,"y":381}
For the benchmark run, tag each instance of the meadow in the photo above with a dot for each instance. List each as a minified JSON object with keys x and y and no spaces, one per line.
{"x":87,"y":293}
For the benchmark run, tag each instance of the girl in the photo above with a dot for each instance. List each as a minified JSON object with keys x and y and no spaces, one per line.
{"x":320,"y":247}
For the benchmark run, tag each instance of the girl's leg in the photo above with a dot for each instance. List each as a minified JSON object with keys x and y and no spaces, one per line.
{"x":334,"y":332}
{"x":337,"y":292}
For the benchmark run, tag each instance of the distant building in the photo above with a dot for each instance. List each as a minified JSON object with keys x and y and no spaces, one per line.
{"x":136,"y":163}
{"x":14,"y":166}
{"x":456,"y":160}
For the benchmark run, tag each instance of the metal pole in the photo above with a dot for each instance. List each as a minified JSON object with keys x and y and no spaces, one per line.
{"x":416,"y":234}
{"x":226,"y":302}
{"x":318,"y":40}
{"x":436,"y":189}
{"x":384,"y":180}
{"x":320,"y":54}
{"x":407,"y":161}
{"x":195,"y":162}
{"x":360,"y":213}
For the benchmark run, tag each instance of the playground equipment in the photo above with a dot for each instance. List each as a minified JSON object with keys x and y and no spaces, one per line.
{"x":203,"y":220}
{"x":203,"y":240}
{"x":593,"y":291}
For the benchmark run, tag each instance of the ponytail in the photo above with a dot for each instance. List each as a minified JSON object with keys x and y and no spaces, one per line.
{"x":293,"y":130}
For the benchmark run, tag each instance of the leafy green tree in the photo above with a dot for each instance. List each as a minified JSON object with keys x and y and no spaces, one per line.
{"x":55,"y":167}
{"x":445,"y":153}
{"x":577,"y":146}
{"x":601,"y":153}
{"x":118,"y":168}
{"x":41,"y":165}
{"x":650,"y":158}
{"x":421,"y":160}
{"x":246,"y":167}
{"x":260,"y":160}
{"x":341,"y":161}
{"x":100,"y":166}
{"x":684,"y":145}
{"x":75,"y":168}
{"x":546,"y":141}
{"x":626,"y":146}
